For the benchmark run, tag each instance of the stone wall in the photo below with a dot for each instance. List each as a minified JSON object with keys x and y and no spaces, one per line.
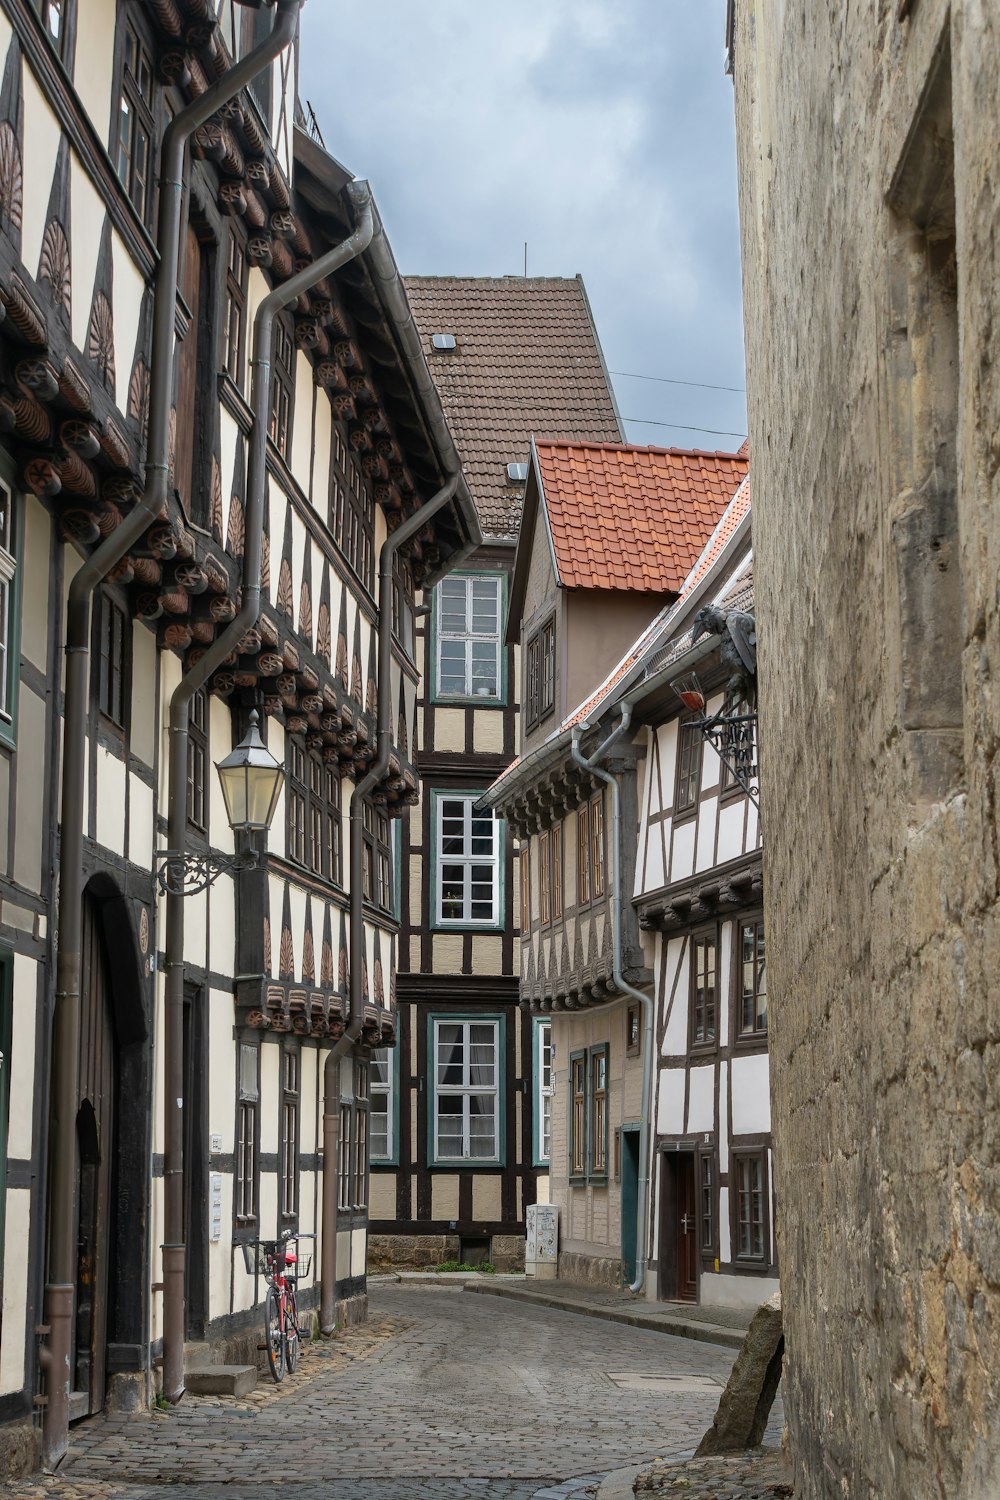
{"x":869,"y":165}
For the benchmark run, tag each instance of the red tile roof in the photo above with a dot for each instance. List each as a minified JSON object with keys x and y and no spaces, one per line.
{"x":629,"y":518}
{"x":527,"y":361}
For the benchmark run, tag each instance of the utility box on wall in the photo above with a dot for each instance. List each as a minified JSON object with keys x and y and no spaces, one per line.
{"x":541,"y":1257}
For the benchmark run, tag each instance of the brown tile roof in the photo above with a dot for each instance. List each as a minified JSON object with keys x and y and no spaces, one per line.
{"x":623,"y":517}
{"x":528,"y":361}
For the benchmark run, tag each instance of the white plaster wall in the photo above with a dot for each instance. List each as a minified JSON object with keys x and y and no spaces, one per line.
{"x":675,"y":1037}
{"x":111,"y":783}
{"x":94,"y":66}
{"x":13,"y":1342}
{"x":682,"y":861}
{"x":705,"y":856}
{"x":22,"y":1062}
{"x":670,"y":1104}
{"x":141,"y":826}
{"x":86,"y":208}
{"x":42,"y":134}
{"x":701,"y":1099}
{"x":128,"y":292}
{"x":222,"y":1074}
{"x":731,"y":818}
{"x":751,"y":1095}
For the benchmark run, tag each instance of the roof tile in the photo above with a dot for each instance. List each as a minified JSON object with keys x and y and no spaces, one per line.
{"x":631,"y":518}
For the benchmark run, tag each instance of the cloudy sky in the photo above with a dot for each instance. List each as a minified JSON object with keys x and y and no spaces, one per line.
{"x":599,"y":131}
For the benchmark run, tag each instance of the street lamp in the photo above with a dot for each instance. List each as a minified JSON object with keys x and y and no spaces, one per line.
{"x":251,"y":782}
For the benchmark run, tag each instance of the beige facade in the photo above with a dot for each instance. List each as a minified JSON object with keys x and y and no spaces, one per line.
{"x":868,"y":150}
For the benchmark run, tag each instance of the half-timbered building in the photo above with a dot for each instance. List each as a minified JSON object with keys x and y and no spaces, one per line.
{"x":610,"y":534}
{"x":460,"y":1136}
{"x":264,"y":1117}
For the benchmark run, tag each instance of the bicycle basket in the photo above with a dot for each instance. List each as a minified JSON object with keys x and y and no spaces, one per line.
{"x":301,"y":1266}
{"x":259,"y":1256}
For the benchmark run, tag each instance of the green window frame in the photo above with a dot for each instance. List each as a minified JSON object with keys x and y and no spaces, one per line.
{"x":383,"y":1084}
{"x":448,"y":637}
{"x":453,"y":1077}
{"x":11,"y":562}
{"x":542,"y":1074}
{"x":452,"y":869}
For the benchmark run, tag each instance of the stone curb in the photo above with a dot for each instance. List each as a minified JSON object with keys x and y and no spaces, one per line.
{"x":442,"y":1278}
{"x":618,"y":1485}
{"x":682,"y":1328}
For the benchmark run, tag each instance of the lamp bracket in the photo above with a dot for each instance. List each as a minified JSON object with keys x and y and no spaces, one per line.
{"x":186,"y":872}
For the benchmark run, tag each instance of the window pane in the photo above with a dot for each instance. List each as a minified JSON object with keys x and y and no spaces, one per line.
{"x":451,"y":1054}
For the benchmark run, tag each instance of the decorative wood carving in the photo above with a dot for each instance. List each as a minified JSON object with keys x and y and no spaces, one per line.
{"x":101,"y":340}
{"x":11,"y":177}
{"x":55,"y":266}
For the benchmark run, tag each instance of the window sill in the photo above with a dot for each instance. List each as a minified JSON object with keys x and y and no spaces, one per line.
{"x":686,"y":815}
{"x":703,"y":1049}
{"x":476,"y":700}
{"x":467,"y":1164}
{"x":755,"y":1041}
{"x":473,"y":927}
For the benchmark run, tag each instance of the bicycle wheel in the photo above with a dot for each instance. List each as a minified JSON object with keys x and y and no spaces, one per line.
{"x":274,"y":1336}
{"x":291,"y":1332}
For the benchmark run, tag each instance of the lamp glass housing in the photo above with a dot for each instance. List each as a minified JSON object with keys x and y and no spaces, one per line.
{"x":251,"y":781}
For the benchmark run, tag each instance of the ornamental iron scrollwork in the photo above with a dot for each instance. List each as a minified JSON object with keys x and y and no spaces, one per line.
{"x":188,"y":872}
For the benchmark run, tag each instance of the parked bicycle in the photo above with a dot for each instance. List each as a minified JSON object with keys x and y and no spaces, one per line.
{"x":282,"y":1265}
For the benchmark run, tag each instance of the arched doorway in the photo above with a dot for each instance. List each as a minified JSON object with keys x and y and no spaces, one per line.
{"x":112,"y":1133}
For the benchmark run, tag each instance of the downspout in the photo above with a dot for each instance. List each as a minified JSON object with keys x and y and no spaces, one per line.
{"x":356,"y":939}
{"x":54,"y":1356}
{"x":174,"y":1323}
{"x":617,"y":898}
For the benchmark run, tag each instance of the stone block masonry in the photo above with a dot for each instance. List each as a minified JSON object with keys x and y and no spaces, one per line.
{"x":869,"y":153}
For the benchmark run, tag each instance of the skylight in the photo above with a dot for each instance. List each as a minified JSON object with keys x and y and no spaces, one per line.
{"x":444,"y":341}
{"x":517,"y":473}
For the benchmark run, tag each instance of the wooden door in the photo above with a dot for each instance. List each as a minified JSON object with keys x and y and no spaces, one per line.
{"x":196,"y":1227}
{"x":686,"y":1223}
{"x":95,"y":1132}
{"x":630,"y":1201}
{"x":187,"y":372}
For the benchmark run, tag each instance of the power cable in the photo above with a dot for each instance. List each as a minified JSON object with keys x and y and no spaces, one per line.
{"x":700,"y":385}
{"x":680,"y":427}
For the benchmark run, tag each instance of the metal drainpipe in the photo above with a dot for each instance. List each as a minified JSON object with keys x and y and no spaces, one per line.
{"x":629,"y":989}
{"x":173,"y":1048}
{"x":356,"y":933}
{"x":55,"y":1354}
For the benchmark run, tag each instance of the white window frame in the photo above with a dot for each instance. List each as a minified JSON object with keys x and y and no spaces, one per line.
{"x":382,"y":1094}
{"x":544,"y":1092}
{"x":469,"y":637}
{"x":467,"y":1088}
{"x":466,"y":860}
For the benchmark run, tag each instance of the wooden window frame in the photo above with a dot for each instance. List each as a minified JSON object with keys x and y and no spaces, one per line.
{"x":112,"y":674}
{"x":469,"y":638}
{"x":279,"y":427}
{"x":376,"y":857}
{"x":11,"y":533}
{"x":466,"y":1090}
{"x":708,"y":1207}
{"x":138,"y":188}
{"x":699,"y":1013}
{"x":403,"y":604}
{"x":359,"y":524}
{"x":749,"y":1156}
{"x":598,"y":1092}
{"x":753,"y":1035}
{"x":313,"y":812}
{"x":633,"y":1031}
{"x":233,"y":353}
{"x":198,"y":785}
{"x":547,"y":668}
{"x":524,"y":866}
{"x":598,"y":851}
{"x":579,"y":1089}
{"x":583,"y":885}
{"x":246,"y":1175}
{"x":466,"y":861}
{"x":556,"y":859}
{"x":288,"y":1124}
{"x":687,"y":788}
{"x":532,"y":678}
{"x":544,"y":880}
{"x":61,"y":41}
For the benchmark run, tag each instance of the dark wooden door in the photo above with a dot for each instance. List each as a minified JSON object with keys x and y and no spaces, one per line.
{"x":195,"y":1164}
{"x":686,"y":1228}
{"x":95,"y":1133}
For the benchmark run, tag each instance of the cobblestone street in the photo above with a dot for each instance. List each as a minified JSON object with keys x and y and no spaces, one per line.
{"x":442,"y":1396}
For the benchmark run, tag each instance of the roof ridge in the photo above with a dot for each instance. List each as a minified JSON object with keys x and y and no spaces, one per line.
{"x":643,"y":448}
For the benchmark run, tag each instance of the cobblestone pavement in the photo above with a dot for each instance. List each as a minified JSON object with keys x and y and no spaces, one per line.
{"x":751,"y":1476}
{"x":441,"y":1396}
